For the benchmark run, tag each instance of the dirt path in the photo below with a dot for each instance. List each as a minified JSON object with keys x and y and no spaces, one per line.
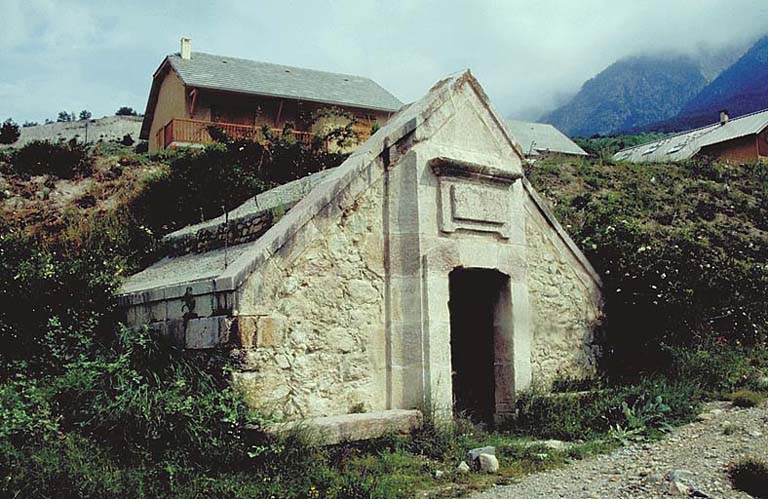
{"x":690,"y":462}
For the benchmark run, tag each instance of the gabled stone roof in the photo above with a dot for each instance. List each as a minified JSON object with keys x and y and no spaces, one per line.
{"x":219,"y":273}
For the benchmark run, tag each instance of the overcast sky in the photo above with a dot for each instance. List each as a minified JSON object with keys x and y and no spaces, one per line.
{"x":529,"y":55}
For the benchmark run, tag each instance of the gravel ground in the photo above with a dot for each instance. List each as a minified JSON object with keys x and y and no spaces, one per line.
{"x":690,"y":462}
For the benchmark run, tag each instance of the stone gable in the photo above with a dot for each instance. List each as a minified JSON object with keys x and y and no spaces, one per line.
{"x":356,"y":298}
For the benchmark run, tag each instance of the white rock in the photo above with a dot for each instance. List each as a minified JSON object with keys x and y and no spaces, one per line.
{"x":488,"y":463}
{"x":463,"y":467}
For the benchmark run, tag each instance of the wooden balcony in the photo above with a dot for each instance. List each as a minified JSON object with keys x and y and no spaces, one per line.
{"x":180,"y":132}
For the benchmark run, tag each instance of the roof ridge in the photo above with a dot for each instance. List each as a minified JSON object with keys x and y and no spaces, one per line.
{"x":278,"y":65}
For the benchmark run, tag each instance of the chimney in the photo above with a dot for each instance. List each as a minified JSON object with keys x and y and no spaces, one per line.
{"x":186,"y":48}
{"x":723,"y":116}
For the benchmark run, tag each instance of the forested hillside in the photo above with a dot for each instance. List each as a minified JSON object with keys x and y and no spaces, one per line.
{"x":628,"y":95}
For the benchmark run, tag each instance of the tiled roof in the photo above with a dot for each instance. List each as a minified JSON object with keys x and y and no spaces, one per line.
{"x":542,"y":137}
{"x":263,"y":78}
{"x":685,"y":145}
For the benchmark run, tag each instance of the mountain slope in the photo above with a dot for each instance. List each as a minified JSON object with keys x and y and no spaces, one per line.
{"x":629,"y":94}
{"x":742,"y":89}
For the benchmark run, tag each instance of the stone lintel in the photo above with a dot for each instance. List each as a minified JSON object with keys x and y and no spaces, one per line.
{"x":442,"y":167}
{"x":354,"y":427}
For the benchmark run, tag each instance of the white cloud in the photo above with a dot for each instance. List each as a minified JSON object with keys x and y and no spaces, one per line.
{"x":528,"y":55}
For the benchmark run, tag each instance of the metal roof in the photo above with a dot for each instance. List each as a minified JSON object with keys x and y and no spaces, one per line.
{"x":542,"y":137}
{"x":231,"y":74}
{"x":685,"y":145}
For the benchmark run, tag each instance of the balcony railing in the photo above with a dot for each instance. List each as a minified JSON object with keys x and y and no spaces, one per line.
{"x":181,"y":132}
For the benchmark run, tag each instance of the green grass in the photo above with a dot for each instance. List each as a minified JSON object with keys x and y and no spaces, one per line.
{"x":746,"y":398}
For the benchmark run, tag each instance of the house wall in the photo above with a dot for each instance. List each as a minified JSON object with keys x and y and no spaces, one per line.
{"x":263,"y":111}
{"x":762,"y":143}
{"x":565,"y":305}
{"x":317,"y":347}
{"x":171,"y":103}
{"x":740,"y":150}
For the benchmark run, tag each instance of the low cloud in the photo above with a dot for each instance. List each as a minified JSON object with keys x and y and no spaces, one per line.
{"x":528,"y":55}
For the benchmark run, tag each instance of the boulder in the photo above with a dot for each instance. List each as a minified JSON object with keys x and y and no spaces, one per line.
{"x":488,"y":463}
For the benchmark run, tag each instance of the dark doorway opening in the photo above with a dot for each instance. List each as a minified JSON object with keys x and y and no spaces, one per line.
{"x":475,"y":295}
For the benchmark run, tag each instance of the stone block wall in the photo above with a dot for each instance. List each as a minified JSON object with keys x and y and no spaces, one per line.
{"x":565,"y":305}
{"x":314,"y":344}
{"x":238,"y":231}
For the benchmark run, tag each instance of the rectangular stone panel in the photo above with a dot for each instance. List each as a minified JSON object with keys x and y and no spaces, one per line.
{"x":479,"y":204}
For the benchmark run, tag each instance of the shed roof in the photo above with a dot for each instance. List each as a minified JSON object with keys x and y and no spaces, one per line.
{"x":542,"y":137}
{"x":685,"y":145}
{"x":232,"y":74}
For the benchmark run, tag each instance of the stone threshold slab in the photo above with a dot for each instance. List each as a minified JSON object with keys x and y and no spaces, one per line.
{"x":332,"y":430}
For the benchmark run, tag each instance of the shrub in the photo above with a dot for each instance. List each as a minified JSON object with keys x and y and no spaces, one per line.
{"x":125,"y":111}
{"x":127,"y":140}
{"x":9,"y":132}
{"x":58,"y":301}
{"x":751,"y":476}
{"x":62,"y":159}
{"x":65,"y":117}
{"x":747,"y":398}
{"x":650,"y":405}
{"x":202,"y":184}
{"x":675,"y":244}
{"x":716,"y":370}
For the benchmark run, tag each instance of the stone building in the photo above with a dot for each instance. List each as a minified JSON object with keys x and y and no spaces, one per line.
{"x":424,"y":272}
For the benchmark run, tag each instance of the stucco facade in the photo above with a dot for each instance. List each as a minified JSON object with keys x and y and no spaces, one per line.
{"x":353,"y":300}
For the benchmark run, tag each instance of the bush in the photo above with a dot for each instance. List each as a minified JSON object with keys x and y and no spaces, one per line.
{"x":63,"y":159}
{"x":751,"y":476}
{"x":127,"y":140}
{"x":202,"y":184}
{"x":716,"y":370}
{"x":676,"y":246}
{"x":651,"y":405}
{"x":9,"y":132}
{"x":58,"y":300}
{"x":125,"y":111}
{"x":746,"y":398}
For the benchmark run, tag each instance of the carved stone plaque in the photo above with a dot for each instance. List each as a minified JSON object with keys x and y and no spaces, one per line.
{"x":473,"y":197}
{"x":479,"y":203}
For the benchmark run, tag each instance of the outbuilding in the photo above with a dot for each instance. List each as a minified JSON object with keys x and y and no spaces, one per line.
{"x":424,"y":272}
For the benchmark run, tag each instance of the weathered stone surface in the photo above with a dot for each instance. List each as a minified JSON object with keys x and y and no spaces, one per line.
{"x":319,"y":338}
{"x":488,"y":463}
{"x":565,"y":306}
{"x":353,"y":427}
{"x":473,"y":454}
{"x":342,"y":304}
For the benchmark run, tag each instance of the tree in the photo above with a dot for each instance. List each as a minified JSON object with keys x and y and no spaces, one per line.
{"x":9,"y":132}
{"x":85,"y":115}
{"x":125,"y":111}
{"x":29,"y":124}
{"x":65,"y":117}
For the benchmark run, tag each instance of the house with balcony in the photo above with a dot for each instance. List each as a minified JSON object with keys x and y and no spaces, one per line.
{"x":195,"y":93}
